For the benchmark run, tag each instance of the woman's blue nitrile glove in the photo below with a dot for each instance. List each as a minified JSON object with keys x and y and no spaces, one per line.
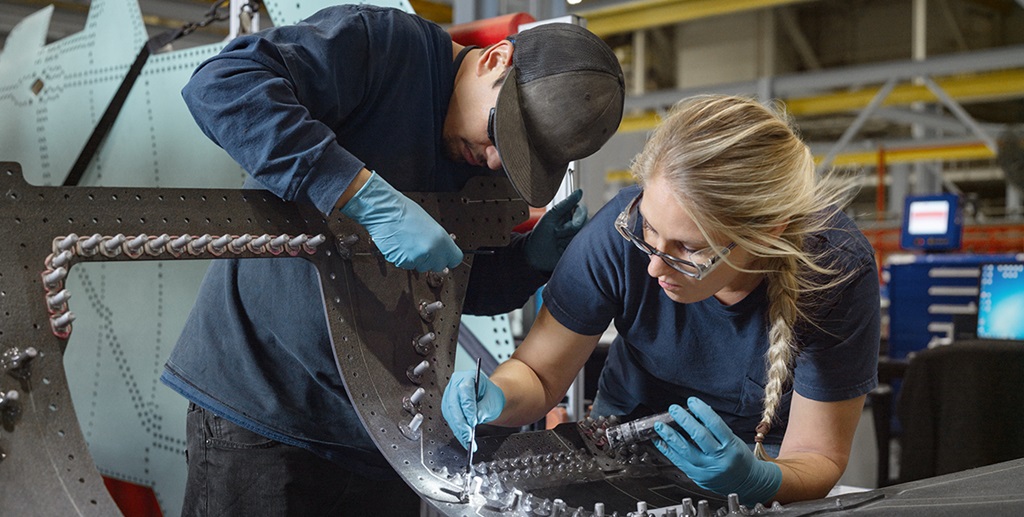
{"x":404,"y":233}
{"x":720,"y":462}
{"x":551,"y":235}
{"x":463,"y":410}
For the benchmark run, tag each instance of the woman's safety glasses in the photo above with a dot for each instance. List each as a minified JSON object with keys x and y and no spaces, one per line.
{"x":702,"y":262}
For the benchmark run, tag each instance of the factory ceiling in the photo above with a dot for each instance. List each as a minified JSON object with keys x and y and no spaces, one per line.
{"x":939,"y":80}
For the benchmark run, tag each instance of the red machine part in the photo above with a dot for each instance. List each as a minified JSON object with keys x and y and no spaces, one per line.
{"x":492,"y":30}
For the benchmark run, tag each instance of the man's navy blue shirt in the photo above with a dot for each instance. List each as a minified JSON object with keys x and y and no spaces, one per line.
{"x":303,"y":108}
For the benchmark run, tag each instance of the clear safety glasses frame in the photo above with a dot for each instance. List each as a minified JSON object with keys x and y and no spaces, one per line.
{"x":702,"y":262}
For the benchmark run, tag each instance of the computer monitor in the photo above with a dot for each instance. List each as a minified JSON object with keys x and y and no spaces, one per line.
{"x":932,"y":223}
{"x":1001,"y":302}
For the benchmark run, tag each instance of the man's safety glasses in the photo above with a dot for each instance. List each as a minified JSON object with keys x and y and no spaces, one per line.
{"x":702,"y":262}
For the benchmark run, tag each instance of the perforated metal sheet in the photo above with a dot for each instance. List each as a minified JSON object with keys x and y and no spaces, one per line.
{"x":47,"y":469}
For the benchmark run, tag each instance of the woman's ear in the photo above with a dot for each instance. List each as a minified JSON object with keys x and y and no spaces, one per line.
{"x":777,"y":231}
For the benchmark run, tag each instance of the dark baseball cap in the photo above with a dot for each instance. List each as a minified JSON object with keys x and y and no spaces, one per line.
{"x":561,"y":101}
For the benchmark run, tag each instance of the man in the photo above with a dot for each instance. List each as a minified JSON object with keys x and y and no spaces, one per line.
{"x":344,"y":111}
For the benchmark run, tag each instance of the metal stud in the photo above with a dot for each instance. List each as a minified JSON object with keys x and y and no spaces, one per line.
{"x":89,"y":246}
{"x":178,"y":244}
{"x":111,"y":246}
{"x":156,"y":245}
{"x":258,"y":245}
{"x":412,"y":402}
{"x":425,"y":343}
{"x":61,"y":259}
{"x":238,"y":244}
{"x":135,"y":246}
{"x":66,"y":243}
{"x":53,"y":279}
{"x":412,"y":429}
{"x":415,"y":373}
{"x":198,"y":246}
{"x":428,"y":311}
{"x":276,"y":244}
{"x":57,"y":300}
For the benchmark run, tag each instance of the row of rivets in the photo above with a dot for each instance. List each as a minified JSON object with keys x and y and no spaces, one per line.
{"x":134,"y":246}
{"x":67,"y":247}
{"x":424,"y":345}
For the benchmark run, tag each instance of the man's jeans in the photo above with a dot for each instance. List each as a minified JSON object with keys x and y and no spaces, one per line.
{"x":234,"y":471}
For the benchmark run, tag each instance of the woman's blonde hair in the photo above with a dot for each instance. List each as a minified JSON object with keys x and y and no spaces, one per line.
{"x":743,"y":175}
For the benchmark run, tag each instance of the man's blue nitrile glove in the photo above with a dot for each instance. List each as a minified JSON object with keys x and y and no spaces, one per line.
{"x":720,"y":462}
{"x":551,"y":235}
{"x":463,"y":410}
{"x":407,"y":236}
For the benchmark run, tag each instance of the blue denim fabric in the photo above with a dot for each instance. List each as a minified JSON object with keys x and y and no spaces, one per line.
{"x":234,"y":471}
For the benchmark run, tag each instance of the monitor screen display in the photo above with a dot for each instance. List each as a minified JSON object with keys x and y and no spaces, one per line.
{"x":1001,"y":302}
{"x":931,"y":223}
{"x":928,"y":218}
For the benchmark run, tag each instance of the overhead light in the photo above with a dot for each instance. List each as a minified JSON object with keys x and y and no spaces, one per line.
{"x":573,"y":2}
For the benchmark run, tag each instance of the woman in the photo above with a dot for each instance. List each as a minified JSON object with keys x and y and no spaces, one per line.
{"x":737,"y":287}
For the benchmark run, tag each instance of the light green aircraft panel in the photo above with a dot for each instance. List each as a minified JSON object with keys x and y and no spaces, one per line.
{"x":129,"y":315}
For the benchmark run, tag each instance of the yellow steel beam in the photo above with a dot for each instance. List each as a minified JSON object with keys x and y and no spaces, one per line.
{"x":975,"y":151}
{"x":645,"y":121}
{"x":643,"y":14}
{"x":1005,"y":84}
{"x":958,"y":152}
{"x":433,"y":11}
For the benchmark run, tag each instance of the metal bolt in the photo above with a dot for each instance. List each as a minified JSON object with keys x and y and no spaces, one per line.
{"x":734,"y":503}
{"x":88,"y":247}
{"x":435,"y":279}
{"x":112,"y":246}
{"x":412,"y":402}
{"x":345,"y":245}
{"x":135,"y":245}
{"x":425,"y":343}
{"x":6,"y":399}
{"x":276,"y":245}
{"x":218,"y":244}
{"x":62,"y":321}
{"x":9,"y":409}
{"x":68,"y":242}
{"x":238,"y":245}
{"x":557,"y":508}
{"x":416,"y":372}
{"x":177,"y":245}
{"x":688,"y":510}
{"x":257,"y":244}
{"x":156,"y":245}
{"x":412,"y":429}
{"x":61,"y":259}
{"x":314,"y":241}
{"x":295,"y":244}
{"x":55,"y":301}
{"x":703,"y":509}
{"x":53,"y":278}
{"x":429,"y":310}
{"x":197,"y":246}
{"x":15,"y":358}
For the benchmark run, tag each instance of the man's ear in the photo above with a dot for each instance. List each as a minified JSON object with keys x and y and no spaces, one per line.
{"x":497,"y":56}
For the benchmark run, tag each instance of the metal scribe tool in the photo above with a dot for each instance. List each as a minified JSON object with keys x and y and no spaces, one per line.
{"x":472,"y":435}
